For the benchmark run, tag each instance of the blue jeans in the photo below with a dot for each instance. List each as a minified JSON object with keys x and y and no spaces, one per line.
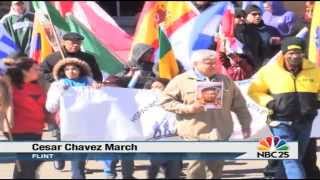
{"x":110,"y":168}
{"x":127,"y":167}
{"x":298,"y":131}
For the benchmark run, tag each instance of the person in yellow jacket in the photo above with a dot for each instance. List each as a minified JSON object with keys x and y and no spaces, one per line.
{"x":289,"y":87}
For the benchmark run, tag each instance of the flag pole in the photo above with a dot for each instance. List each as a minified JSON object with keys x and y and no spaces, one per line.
{"x":56,"y":36}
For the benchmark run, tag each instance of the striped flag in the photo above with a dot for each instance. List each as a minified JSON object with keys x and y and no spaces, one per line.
{"x":226,"y":39}
{"x":200,"y":32}
{"x":7,"y":45}
{"x":99,"y":23}
{"x":106,"y":60}
{"x":172,"y":14}
{"x":92,"y":45}
{"x":40,"y":46}
{"x":168,"y":67}
{"x":206,"y":26}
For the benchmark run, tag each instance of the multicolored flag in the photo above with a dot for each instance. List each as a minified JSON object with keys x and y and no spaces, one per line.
{"x":106,"y":60}
{"x":204,"y":30}
{"x":172,"y":14}
{"x":168,"y":67}
{"x":225,"y":39}
{"x":93,"y":46}
{"x":7,"y":45}
{"x":99,"y":23}
{"x":206,"y":27}
{"x":40,"y":46}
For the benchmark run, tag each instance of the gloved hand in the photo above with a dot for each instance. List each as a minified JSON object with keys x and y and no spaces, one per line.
{"x":224,"y":59}
{"x":271,"y":104}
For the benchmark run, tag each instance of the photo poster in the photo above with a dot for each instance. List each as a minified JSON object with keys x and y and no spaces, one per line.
{"x":210,"y":94}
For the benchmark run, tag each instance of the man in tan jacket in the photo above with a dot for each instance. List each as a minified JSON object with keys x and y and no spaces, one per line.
{"x":194,"y":121}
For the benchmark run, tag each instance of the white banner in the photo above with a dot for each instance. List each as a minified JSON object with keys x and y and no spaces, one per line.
{"x":259,"y":128}
{"x":113,"y":114}
{"x":128,"y":114}
{"x":120,"y":114}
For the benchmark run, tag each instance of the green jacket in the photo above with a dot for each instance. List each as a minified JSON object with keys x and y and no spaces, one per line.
{"x":20,"y":28}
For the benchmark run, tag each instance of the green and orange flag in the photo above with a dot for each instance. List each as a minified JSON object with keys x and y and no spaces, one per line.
{"x":168,"y":67}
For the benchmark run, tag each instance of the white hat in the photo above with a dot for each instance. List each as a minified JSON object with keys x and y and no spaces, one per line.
{"x":200,"y":55}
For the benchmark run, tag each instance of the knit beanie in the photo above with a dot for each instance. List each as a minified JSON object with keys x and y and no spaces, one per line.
{"x":290,"y":43}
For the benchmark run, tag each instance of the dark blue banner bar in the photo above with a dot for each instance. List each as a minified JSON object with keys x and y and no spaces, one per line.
{"x":5,"y":157}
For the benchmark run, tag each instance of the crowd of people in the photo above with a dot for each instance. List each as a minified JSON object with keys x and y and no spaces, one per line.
{"x":30,"y":92}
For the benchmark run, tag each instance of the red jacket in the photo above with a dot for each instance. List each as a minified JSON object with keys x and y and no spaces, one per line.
{"x":28,"y":109}
{"x":236,"y":67}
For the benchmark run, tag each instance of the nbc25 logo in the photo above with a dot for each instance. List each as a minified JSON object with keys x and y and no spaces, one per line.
{"x":273,"y":148}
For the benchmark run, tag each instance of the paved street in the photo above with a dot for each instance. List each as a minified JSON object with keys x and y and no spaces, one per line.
{"x":232,"y":170}
{"x":239,"y":169}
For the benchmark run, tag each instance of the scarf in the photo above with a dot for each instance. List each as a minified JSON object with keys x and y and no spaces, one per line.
{"x":82,"y":81}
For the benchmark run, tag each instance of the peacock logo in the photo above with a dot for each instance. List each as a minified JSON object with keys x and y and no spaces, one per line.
{"x":273,"y":147}
{"x":273,"y":144}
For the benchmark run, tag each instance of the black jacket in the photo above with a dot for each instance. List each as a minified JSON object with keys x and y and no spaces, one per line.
{"x":266,"y":32}
{"x":249,"y":36}
{"x":52,"y":59}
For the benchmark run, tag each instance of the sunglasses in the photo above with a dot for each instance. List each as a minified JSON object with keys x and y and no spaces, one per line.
{"x":240,"y":16}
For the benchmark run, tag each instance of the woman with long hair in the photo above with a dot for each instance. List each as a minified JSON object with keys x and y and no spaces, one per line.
{"x":28,"y":101}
